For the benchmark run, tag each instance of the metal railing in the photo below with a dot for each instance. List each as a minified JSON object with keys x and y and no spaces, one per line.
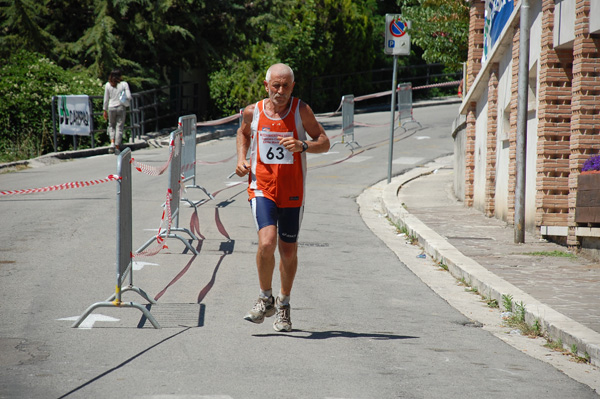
{"x":149,"y":109}
{"x":325,"y":91}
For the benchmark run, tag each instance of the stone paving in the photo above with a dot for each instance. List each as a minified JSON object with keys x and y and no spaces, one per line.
{"x":568,"y":285}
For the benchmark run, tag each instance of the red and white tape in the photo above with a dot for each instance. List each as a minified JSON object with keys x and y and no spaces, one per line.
{"x":160,"y":240}
{"x":153,"y":170}
{"x":445,"y":84}
{"x":64,"y":186}
{"x":220,"y":121}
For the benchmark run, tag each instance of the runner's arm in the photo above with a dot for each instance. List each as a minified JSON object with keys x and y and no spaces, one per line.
{"x":243,"y":141}
{"x":320,"y":141}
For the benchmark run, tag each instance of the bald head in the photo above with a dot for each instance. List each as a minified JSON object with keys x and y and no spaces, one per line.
{"x":279,"y":70}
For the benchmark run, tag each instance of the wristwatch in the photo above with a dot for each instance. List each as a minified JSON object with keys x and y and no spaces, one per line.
{"x":304,"y":146}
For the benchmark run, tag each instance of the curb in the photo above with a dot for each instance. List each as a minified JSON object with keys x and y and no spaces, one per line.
{"x":88,"y":152}
{"x":555,"y":324}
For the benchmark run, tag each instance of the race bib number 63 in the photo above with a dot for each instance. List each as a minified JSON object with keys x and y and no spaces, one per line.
{"x":270,"y":150}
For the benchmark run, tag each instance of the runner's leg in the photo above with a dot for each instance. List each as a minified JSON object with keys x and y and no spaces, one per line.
{"x":265,"y":256}
{"x":288,"y":264}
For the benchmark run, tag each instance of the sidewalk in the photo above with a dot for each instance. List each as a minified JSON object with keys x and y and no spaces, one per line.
{"x":562,"y":293}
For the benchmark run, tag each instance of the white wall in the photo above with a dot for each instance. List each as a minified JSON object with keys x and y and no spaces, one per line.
{"x":480,"y":153}
{"x":531,"y":172}
{"x":535,"y":31}
{"x":594,"y":16}
{"x":502,"y":143}
{"x":564,"y":22}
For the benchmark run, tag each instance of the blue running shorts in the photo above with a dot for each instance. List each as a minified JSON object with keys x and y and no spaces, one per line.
{"x":287,"y":220}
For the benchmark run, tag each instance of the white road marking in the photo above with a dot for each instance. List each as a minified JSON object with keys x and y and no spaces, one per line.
{"x":407,"y":160}
{"x":89,"y":321}
{"x":139,"y":265}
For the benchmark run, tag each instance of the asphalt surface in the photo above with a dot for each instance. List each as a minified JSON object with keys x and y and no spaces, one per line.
{"x":365,"y":324}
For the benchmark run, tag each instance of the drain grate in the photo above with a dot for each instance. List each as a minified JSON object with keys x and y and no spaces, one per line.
{"x":174,"y":315}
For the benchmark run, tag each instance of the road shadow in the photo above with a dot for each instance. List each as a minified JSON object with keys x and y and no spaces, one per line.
{"x":318,"y":335}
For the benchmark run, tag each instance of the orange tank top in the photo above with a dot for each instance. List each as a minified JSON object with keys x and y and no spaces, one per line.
{"x":277,"y":173}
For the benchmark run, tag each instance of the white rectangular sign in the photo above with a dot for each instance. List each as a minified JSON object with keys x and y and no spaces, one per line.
{"x":75,"y":116}
{"x":397,"y":39}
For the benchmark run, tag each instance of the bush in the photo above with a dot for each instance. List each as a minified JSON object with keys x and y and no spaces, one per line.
{"x":27,"y":83}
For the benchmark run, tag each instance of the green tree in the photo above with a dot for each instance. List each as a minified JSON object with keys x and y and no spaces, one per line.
{"x":440,"y":28}
{"x":27,"y":83}
{"x":21,"y":26}
{"x":315,"y":37}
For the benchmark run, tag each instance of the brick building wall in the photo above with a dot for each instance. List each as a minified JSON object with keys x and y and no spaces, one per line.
{"x":512,"y":136}
{"x":554,"y":121}
{"x":568,"y":120}
{"x":585,"y":120}
{"x":476,"y":25}
{"x":470,"y":134}
{"x":492,"y":126}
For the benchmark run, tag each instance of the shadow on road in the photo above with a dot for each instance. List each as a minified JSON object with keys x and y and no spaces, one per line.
{"x":302,"y":334}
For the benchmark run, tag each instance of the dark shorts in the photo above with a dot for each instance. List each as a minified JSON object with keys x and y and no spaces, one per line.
{"x":287,"y":220}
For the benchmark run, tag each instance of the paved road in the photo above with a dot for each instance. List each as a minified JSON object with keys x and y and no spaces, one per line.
{"x":364,"y":325}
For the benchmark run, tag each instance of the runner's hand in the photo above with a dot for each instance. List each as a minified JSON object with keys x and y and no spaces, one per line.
{"x":290,"y":144}
{"x":242,"y":168}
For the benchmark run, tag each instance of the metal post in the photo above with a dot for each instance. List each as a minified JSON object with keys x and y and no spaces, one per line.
{"x":392,"y":111}
{"x":522,"y":100}
{"x":54,"y":121}
{"x":93,"y":144}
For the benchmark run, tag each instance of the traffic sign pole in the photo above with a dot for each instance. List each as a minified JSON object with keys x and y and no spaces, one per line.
{"x":392,"y":124}
{"x":397,"y":42}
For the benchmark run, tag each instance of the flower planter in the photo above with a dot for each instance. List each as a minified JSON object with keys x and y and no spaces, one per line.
{"x":587,"y":206}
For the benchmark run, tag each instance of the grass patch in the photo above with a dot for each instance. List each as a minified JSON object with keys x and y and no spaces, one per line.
{"x":516,"y":318}
{"x":558,"y":346}
{"x":554,"y":254}
{"x":507,"y":302}
{"x":401,"y":229}
{"x":492,"y":303}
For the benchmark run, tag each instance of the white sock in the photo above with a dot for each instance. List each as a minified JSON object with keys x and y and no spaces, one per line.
{"x":266,"y":294}
{"x":284,"y":299}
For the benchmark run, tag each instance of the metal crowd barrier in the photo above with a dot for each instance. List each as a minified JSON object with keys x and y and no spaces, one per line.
{"x":124,"y":242}
{"x":405,"y":108}
{"x":175,"y":184}
{"x":188,"y":156}
{"x":347,"y":122}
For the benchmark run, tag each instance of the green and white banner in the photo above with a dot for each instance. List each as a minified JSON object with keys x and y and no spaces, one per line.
{"x":75,"y":116}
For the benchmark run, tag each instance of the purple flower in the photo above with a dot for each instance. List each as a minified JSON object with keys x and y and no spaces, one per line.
{"x":593,"y":163}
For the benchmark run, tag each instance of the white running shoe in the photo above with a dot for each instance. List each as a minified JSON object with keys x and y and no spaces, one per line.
{"x":264,"y":307}
{"x":282,"y":322}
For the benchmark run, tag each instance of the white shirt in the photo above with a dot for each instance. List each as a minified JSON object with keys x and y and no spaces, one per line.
{"x":112,"y":94}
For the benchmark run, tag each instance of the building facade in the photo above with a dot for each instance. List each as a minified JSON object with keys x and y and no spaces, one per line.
{"x":563,"y":113}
